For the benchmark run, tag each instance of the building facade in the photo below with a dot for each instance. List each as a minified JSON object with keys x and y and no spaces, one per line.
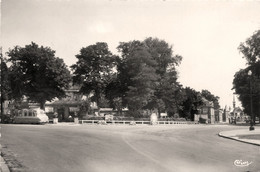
{"x":67,"y":108}
{"x":219,"y":115}
{"x":206,"y":114}
{"x":237,"y":114}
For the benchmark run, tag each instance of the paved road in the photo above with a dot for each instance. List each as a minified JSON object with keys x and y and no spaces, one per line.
{"x":52,"y":148}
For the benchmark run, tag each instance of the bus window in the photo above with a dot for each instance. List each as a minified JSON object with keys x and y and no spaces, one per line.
{"x":20,"y":113}
{"x":34,"y":113}
{"x":25,"y":112}
{"x":30,"y":113}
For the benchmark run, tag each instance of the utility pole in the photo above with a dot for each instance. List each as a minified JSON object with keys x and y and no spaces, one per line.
{"x":1,"y":65}
{"x":251,"y":103}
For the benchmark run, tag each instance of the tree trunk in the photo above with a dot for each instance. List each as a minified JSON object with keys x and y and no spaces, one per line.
{"x":42,"y":105}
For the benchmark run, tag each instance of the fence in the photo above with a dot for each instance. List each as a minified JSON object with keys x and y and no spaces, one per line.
{"x":134,"y":122}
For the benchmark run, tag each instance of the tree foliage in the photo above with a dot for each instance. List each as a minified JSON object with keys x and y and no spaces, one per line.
{"x":251,"y":48}
{"x":211,"y":97}
{"x":5,"y":82}
{"x":141,"y":74}
{"x":167,"y":91}
{"x":147,"y":77}
{"x":36,"y":73}
{"x":94,"y":69}
{"x":170,"y":92}
{"x":191,"y":103}
{"x":243,"y":84}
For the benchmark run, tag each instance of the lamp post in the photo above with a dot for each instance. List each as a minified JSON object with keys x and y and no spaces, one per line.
{"x":251,"y":103}
{"x":1,"y":82}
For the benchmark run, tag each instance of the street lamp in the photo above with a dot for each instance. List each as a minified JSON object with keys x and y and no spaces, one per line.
{"x":251,"y":103}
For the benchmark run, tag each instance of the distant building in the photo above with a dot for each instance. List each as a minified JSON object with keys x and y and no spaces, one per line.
{"x":226,"y":115}
{"x":108,"y":111}
{"x":219,"y":115}
{"x":68,"y":106}
{"x":237,"y":114}
{"x":72,"y":105}
{"x":206,"y":113}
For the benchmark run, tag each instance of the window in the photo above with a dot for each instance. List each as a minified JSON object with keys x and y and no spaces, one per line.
{"x":34,"y":113}
{"x":25,"y":112}
{"x":30,"y":113}
{"x":20,"y":113}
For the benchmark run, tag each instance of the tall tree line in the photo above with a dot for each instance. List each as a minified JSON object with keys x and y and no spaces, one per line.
{"x":142,"y":77}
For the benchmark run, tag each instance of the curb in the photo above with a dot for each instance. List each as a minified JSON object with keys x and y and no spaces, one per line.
{"x":3,"y":166}
{"x":243,"y":141}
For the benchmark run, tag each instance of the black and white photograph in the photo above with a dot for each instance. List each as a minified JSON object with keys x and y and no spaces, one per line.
{"x":130,"y":85}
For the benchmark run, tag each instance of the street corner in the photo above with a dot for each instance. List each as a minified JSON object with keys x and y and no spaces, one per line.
{"x":243,"y":135}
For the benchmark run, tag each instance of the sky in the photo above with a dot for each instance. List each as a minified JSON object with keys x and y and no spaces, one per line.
{"x":205,"y":33}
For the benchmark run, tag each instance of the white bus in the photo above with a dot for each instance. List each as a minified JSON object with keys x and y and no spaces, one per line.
{"x":30,"y":116}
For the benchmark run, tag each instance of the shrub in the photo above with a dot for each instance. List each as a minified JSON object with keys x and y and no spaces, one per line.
{"x":176,"y":115}
{"x":96,"y":118}
{"x":142,"y":119}
{"x":122,"y":118}
{"x":181,"y":119}
{"x":171,"y":119}
{"x":6,"y":119}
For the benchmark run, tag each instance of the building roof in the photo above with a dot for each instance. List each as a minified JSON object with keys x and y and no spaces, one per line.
{"x":207,"y":103}
{"x":237,"y":109}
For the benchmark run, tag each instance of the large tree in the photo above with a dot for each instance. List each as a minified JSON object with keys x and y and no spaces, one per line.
{"x":248,"y":87}
{"x":147,"y":78}
{"x":94,"y":70}
{"x":35,"y":72}
{"x":5,"y":83}
{"x":167,"y":91}
{"x":138,"y":77}
{"x":245,"y":85}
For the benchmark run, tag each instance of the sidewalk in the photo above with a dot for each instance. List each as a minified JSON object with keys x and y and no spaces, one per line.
{"x":243,"y":135}
{"x":3,"y":166}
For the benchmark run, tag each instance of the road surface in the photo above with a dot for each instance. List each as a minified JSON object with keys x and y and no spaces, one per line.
{"x":99,"y":148}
